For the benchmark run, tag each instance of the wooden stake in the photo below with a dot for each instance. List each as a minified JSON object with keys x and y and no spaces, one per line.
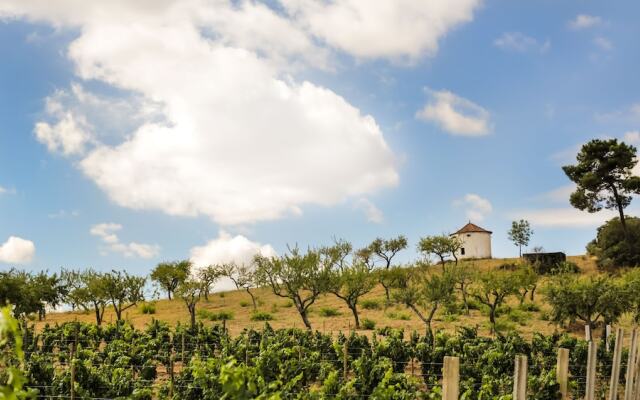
{"x":631,"y":366}
{"x":590,"y":391}
{"x":345,"y":355}
{"x":615,"y":367}
{"x":587,"y":333}
{"x":520,"y":378}
{"x":562,"y":372}
{"x":451,"y":378}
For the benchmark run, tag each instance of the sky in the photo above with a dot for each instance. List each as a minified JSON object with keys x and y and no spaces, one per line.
{"x":138,"y":132}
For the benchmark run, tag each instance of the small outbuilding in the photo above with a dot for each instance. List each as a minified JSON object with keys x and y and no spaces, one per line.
{"x":476,"y":242}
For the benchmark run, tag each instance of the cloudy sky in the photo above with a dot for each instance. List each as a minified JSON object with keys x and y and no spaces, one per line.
{"x":136,"y":132}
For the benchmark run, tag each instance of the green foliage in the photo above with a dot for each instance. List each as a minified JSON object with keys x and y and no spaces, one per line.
{"x":529,"y":307}
{"x":147,"y":308}
{"x":613,"y":247}
{"x":604,"y":177}
{"x":520,"y":233}
{"x":261,"y":316}
{"x":329,"y":312}
{"x":12,"y":379}
{"x":30,"y":293}
{"x":441,"y":246}
{"x":398,"y":316}
{"x":492,"y":288}
{"x":221,"y":315}
{"x":566,"y":267}
{"x":287,"y":304}
{"x":368,"y":324}
{"x":123,"y":290}
{"x":171,"y":274}
{"x":244,"y":304}
{"x":370,"y":304}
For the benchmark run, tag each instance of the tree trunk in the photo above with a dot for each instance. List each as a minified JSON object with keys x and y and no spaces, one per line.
{"x":253,"y":299}
{"x":303,"y":312}
{"x":464,"y":298}
{"x":192,"y":312}
{"x":354,"y":310}
{"x":492,"y":318}
{"x":533,"y":291}
{"x":623,"y":221}
{"x":206,"y":293}
{"x":169,"y":293}
{"x":520,"y":250}
{"x":118,"y":313}
{"x":98,"y":316}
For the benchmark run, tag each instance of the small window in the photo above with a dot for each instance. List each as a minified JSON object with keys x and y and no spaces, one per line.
{"x":468,"y":235}
{"x":462,"y":250}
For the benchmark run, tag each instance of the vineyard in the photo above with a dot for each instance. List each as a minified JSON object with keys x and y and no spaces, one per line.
{"x":83,"y":361}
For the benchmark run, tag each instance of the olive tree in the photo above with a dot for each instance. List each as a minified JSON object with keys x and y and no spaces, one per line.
{"x":492,"y":288}
{"x":441,"y":246}
{"x":462,"y":276}
{"x":348,"y":280}
{"x":243,"y":277}
{"x":190,"y":291}
{"x":123,"y":290}
{"x":587,"y":299}
{"x":424,"y":292}
{"x":383,"y":251}
{"x":170,"y":274}
{"x":296,"y":276}
{"x":208,"y":276}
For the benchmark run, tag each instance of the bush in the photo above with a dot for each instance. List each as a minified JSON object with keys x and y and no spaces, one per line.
{"x":529,"y":307}
{"x":566,"y":267}
{"x":244,"y":303}
{"x":368,"y":324}
{"x":261,"y":316}
{"x":274,"y":308}
{"x":329,"y":312}
{"x":371,"y":304}
{"x":518,"y":316}
{"x":399,"y":316}
{"x":221,"y":294}
{"x":612,"y":248}
{"x":147,"y":308}
{"x":221,"y":315}
{"x":287,"y":304}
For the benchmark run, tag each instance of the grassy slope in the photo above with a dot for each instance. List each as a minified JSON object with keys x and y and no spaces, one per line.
{"x":175,"y":310}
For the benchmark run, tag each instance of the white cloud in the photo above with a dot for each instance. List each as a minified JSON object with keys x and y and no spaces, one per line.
{"x":226,"y":249}
{"x":64,"y":214}
{"x":564,"y":217}
{"x":584,"y":21}
{"x":519,"y":42}
{"x":240,"y":139}
{"x":17,"y":251}
{"x":455,"y":114}
{"x":373,"y":213}
{"x":4,"y":190}
{"x":476,"y":207}
{"x":603,"y":43}
{"x":559,"y":195}
{"x":393,"y":29}
{"x":107,"y":233}
{"x":630,"y":113}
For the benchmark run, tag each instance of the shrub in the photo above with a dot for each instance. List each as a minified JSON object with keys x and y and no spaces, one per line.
{"x":221,"y":315}
{"x":518,"y":316}
{"x":612,"y":248}
{"x":261,"y":316}
{"x":221,"y":294}
{"x":399,"y":316}
{"x":566,"y":267}
{"x":274,"y":308}
{"x":529,"y":307}
{"x":287,"y":304}
{"x":368,"y":324}
{"x":371,"y":304}
{"x":147,"y":308}
{"x":244,"y":303}
{"x":329,"y":312}
{"x":452,"y":308}
{"x":473,"y":304}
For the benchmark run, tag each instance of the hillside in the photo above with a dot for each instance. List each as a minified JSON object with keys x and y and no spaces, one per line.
{"x":238,"y":303}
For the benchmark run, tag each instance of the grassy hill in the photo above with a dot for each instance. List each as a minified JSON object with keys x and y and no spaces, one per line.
{"x":285,"y":315}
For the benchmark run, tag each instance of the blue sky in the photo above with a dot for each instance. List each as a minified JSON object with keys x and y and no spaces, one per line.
{"x":124,"y":143}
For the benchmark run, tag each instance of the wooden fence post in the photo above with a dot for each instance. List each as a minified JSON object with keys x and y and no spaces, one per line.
{"x":590,"y":390}
{"x":615,"y":367}
{"x":520,"y":378}
{"x":182,"y":356}
{"x":607,"y":336}
{"x":631,"y":366}
{"x":345,"y":355}
{"x":451,"y":378}
{"x":587,"y":333}
{"x":562,"y":372}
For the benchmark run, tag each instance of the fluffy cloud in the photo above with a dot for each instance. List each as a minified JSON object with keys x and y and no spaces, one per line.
{"x":603,"y":43}
{"x":477,"y":207}
{"x":519,"y":42}
{"x":239,"y":139}
{"x":4,"y":190}
{"x":455,"y":114}
{"x":226,"y":249}
{"x":564,"y":217}
{"x":393,"y":29}
{"x":584,"y":21}
{"x":373,"y":213}
{"x":17,"y":251}
{"x":632,"y":137}
{"x":558,"y":195}
{"x":107,"y":233}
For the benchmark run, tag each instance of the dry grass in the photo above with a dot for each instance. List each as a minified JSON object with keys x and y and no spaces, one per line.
{"x":284,"y":317}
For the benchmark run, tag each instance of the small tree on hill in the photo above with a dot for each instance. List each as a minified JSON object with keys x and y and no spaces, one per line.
{"x":243,"y":277}
{"x":492,"y":289}
{"x":520,"y":234}
{"x":613,"y":247}
{"x":207,"y":277}
{"x":170,"y":274}
{"x":528,"y":282}
{"x":587,"y":299}
{"x":123,"y":290}
{"x":604,"y":177}
{"x":440,"y":246}
{"x":295,"y":276}
{"x":384,"y":250}
{"x":462,"y":276}
{"x":348,"y":281}
{"x":423,"y":293}
{"x":190,"y":291}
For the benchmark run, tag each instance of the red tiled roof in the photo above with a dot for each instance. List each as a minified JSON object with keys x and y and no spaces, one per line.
{"x":468,"y":228}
